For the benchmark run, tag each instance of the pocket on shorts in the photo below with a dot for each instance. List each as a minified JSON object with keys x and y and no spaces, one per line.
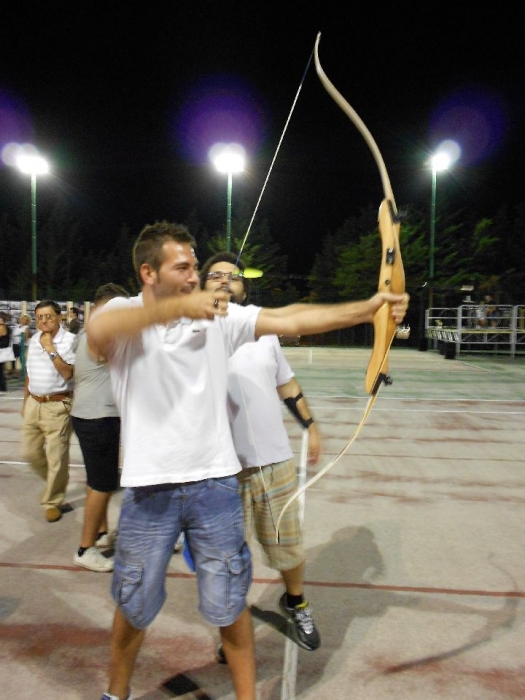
{"x":229,"y":483}
{"x":128,"y":593}
{"x":241,"y":561}
{"x":239,"y":580}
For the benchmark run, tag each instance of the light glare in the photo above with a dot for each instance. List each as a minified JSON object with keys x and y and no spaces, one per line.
{"x":440,"y":161}
{"x":447,"y":153}
{"x":32,"y":165}
{"x":228,"y":158}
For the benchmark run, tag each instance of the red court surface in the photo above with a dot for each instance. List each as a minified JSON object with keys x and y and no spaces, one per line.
{"x":415,"y":553}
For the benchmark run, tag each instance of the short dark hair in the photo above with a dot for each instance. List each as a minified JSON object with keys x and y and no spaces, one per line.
{"x":109,"y":291}
{"x":148,"y":246}
{"x":75,"y":310}
{"x":49,"y":302}
{"x":224,"y":256}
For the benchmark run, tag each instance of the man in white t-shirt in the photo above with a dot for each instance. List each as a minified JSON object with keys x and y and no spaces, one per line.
{"x":168,"y":353}
{"x":259,"y":376}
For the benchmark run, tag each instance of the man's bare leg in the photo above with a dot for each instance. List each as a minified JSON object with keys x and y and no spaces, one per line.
{"x":239,"y":648}
{"x":95,"y":516}
{"x":125,"y":645}
{"x":293,"y":580}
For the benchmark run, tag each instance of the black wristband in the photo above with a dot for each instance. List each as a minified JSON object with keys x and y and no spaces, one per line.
{"x":308,"y":423}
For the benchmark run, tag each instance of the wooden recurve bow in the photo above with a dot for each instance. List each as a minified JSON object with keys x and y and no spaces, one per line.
{"x":391,"y":279}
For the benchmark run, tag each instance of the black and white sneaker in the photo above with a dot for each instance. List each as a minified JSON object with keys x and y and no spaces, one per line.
{"x":303,"y":626}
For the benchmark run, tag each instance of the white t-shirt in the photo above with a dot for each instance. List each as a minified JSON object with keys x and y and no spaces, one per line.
{"x":17,"y":331}
{"x":169,"y":385}
{"x":254,"y":406}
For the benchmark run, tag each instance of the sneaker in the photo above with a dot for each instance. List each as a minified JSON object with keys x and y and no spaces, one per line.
{"x":303,"y":625}
{"x":106,"y":540}
{"x":179,"y":544}
{"x":94,"y":560}
{"x":107,"y":696}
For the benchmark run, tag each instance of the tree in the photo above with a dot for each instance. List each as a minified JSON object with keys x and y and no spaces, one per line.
{"x":258,"y":250}
{"x":336,"y":258}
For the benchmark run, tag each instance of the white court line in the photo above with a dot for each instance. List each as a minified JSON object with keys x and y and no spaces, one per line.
{"x":410,"y":398}
{"x":25,"y":464}
{"x":378,"y":409}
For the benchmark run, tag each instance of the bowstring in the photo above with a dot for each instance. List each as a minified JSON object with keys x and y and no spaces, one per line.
{"x":276,"y":153}
{"x":272,"y":517}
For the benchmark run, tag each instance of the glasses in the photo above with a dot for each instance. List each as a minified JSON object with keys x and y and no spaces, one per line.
{"x":218,"y":275}
{"x":45,"y":317}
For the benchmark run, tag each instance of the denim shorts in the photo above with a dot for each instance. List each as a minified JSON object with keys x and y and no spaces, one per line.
{"x":151,"y":519}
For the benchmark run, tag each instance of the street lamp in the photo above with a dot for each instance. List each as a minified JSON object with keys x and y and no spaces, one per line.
{"x":439,"y":161}
{"x":33,"y":165}
{"x":228,"y":159}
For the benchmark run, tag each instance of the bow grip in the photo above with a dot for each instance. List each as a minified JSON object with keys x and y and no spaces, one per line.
{"x":391,"y":279}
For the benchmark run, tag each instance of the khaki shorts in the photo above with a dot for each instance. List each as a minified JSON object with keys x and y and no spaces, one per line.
{"x":264,"y":493}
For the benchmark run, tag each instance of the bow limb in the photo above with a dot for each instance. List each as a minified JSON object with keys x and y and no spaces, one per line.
{"x":356,"y":119}
{"x":299,"y":492}
{"x":391,"y":278}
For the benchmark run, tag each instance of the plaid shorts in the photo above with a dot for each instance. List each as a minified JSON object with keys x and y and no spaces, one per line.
{"x":264,"y":493}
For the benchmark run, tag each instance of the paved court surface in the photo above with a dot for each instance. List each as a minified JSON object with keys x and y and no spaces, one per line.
{"x":415,"y":553}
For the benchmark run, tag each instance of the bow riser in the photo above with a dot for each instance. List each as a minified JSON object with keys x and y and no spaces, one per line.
{"x":391,"y":279}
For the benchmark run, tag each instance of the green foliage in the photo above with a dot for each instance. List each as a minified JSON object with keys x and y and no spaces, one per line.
{"x":258,"y":250}
{"x":487,"y":254}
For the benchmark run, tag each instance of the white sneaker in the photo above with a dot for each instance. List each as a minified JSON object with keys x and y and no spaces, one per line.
{"x":107,"y":540}
{"x":94,"y":560}
{"x":179,"y":544}
{"x":107,"y":696}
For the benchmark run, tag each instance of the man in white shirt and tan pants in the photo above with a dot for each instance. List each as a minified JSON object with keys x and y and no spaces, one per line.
{"x":46,"y":428}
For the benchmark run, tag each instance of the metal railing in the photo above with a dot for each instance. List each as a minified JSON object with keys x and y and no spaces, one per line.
{"x":467,"y":329}
{"x":15,"y":309}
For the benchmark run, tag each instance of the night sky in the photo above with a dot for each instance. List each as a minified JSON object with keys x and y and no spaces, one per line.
{"x":125,"y":99}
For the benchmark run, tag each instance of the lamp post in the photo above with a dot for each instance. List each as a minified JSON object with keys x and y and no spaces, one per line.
{"x":33,"y":166}
{"x":439,"y":161}
{"x":228,"y":159}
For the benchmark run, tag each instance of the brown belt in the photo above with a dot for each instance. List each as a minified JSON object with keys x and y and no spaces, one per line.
{"x":52,"y":397}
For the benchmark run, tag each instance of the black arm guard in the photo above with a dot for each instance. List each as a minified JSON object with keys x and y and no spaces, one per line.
{"x":291,"y":405}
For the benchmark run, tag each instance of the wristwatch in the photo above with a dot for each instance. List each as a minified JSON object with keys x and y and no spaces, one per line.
{"x":52,"y":355}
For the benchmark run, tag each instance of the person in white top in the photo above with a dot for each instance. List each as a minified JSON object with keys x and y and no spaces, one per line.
{"x":46,"y":427}
{"x":168,"y":353}
{"x":21,"y":337}
{"x":259,"y":376}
